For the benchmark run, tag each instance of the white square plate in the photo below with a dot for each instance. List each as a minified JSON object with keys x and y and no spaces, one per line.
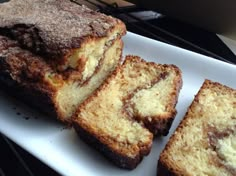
{"x":61,"y":149}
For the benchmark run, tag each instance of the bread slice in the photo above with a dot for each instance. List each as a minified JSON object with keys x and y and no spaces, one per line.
{"x":35,"y":81}
{"x":205,"y":141}
{"x":71,"y":37}
{"x":137,"y":94}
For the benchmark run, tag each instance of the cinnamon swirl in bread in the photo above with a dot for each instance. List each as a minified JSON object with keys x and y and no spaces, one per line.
{"x":135,"y":102}
{"x":205,"y":141}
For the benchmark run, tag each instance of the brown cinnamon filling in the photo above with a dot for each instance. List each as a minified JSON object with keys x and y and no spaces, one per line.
{"x":129,"y":109}
{"x":100,"y":63}
{"x":223,"y":143}
{"x":76,"y":74}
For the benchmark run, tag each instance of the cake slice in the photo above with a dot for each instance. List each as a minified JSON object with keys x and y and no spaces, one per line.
{"x":35,"y":81}
{"x":205,"y":141}
{"x":138,"y":94}
{"x":73,"y":38}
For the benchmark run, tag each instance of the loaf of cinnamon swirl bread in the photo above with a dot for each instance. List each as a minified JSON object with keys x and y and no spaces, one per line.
{"x":57,"y":51}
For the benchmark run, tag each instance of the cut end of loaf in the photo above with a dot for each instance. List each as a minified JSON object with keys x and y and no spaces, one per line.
{"x":81,"y":63}
{"x":205,"y":137}
{"x":73,"y":93}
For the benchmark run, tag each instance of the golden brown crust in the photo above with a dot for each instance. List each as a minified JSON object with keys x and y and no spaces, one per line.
{"x":54,"y":27}
{"x":23,"y":74}
{"x":164,"y":170}
{"x":71,"y":38}
{"x":116,"y":157}
{"x":39,"y":97}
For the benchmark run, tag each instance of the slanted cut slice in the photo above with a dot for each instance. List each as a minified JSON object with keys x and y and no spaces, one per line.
{"x":205,"y":141}
{"x":113,"y":119}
